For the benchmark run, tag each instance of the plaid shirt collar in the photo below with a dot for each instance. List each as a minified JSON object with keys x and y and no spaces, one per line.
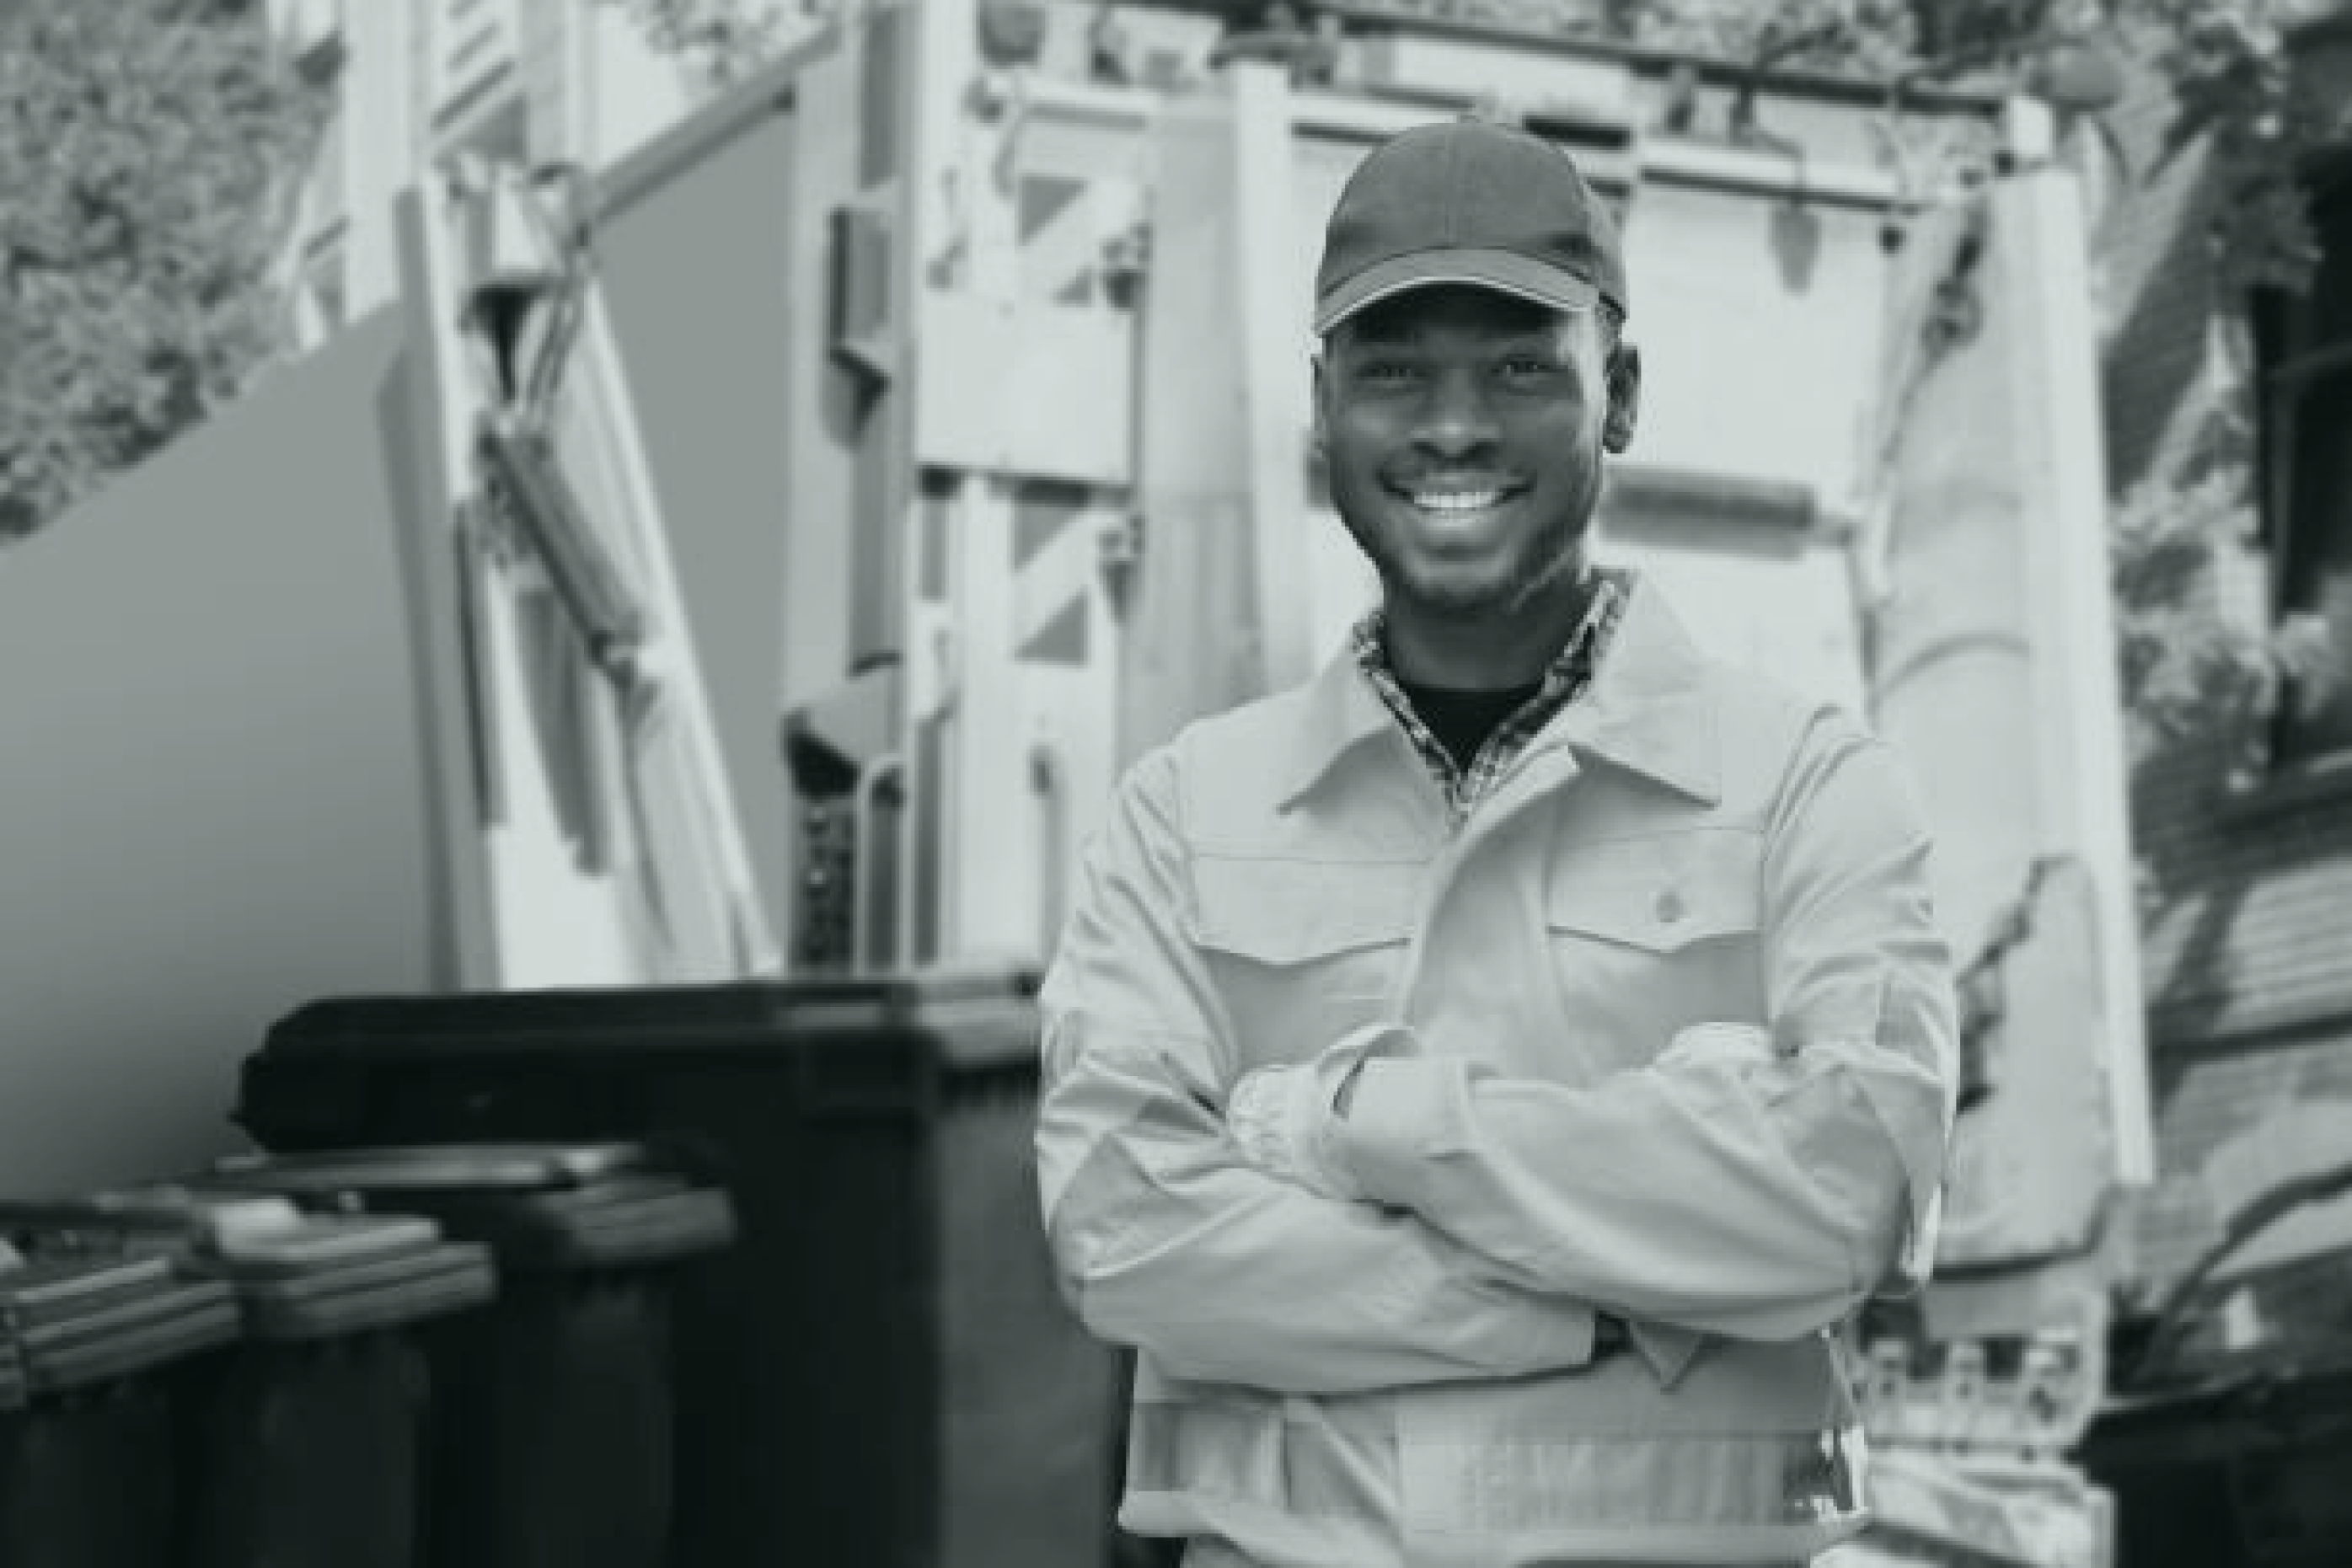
{"x":1566,"y":678}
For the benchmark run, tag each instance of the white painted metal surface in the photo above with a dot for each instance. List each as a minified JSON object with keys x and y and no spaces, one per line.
{"x":670,"y":896}
{"x":2059,"y":443}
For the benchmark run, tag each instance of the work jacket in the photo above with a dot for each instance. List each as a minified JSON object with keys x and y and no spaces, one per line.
{"x":1412,"y":1378}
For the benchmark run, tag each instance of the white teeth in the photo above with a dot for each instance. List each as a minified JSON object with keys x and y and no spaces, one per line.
{"x":1457,"y":501}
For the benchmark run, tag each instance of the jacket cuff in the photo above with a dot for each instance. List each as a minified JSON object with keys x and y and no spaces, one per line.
{"x":1405,"y":1111}
{"x":1569,"y":1337}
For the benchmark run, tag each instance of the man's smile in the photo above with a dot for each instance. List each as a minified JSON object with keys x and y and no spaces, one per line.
{"x":1456,"y":509}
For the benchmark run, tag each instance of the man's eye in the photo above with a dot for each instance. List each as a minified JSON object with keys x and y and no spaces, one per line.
{"x":1525,"y":366}
{"x":1386,"y":372}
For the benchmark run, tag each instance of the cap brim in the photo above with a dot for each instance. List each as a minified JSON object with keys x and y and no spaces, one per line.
{"x":1504,"y":271}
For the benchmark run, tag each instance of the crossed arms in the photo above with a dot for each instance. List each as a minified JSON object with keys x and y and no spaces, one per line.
{"x":1460,"y":1223}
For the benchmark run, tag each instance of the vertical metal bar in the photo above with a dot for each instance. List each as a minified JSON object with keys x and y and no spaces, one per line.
{"x":470,"y":559}
{"x":885,"y":441}
{"x":1273,"y":338}
{"x":872,"y":920}
{"x":926,"y":850}
{"x":2043,"y":251}
{"x":461,"y":881}
{"x":931,"y":47}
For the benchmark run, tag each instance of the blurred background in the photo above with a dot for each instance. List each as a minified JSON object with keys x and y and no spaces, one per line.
{"x":648,"y":500}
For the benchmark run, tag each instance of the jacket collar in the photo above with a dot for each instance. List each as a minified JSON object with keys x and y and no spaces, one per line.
{"x":1650,"y":710}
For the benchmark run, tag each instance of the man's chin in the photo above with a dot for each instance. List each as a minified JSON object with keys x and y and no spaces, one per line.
{"x":1454,"y":601}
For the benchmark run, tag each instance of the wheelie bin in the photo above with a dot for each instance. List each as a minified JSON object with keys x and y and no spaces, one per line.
{"x":295,"y":1442}
{"x":2227,"y":1436}
{"x":882,"y":1368}
{"x":87,"y":1345}
{"x":551,"y":1428}
{"x":300,"y":1444}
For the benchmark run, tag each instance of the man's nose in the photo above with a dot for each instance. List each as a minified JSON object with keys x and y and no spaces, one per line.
{"x":1456,"y":418}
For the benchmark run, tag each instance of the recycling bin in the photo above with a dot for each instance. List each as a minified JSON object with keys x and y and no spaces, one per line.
{"x":882,"y":1368}
{"x":87,"y":1345}
{"x":300,"y":1445}
{"x":2226,"y":1438}
{"x":295,"y":1441}
{"x":550,"y":1432}
{"x":2244,"y":1470}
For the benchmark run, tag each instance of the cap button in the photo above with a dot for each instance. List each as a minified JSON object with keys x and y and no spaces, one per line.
{"x":1669,"y":905}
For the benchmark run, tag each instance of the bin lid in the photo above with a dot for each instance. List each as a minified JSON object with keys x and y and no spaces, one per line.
{"x":238,"y":1232}
{"x":294,"y":1273}
{"x":165,"y":1214}
{"x":42,"y":1290}
{"x":427,"y":1167}
{"x":589,"y":1229}
{"x":339,"y":1273}
{"x":534,"y":1205}
{"x":636,"y":1224}
{"x":318,"y":1244}
{"x":77,"y":1320}
{"x":971,"y":1017}
{"x":359,"y":1295}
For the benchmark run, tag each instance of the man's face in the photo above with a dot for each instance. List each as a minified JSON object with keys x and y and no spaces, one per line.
{"x":1464,"y":430}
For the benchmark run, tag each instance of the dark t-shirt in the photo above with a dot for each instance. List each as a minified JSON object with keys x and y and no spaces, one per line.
{"x":1463,"y":720}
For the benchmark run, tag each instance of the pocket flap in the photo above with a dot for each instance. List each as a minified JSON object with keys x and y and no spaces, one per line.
{"x":1287,"y":911}
{"x":1658,"y":892}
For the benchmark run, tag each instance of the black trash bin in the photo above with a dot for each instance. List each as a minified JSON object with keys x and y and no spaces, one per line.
{"x":300,"y":1445}
{"x":882,"y":1369}
{"x":297,"y":1443}
{"x":550,"y":1428}
{"x":87,"y":1345}
{"x":2228,"y":1439}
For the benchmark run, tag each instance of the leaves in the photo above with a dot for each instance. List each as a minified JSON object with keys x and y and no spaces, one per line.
{"x":150,"y":149}
{"x":2193,"y":675}
{"x":1855,"y":37}
{"x":724,"y":40}
{"x":2229,"y":71}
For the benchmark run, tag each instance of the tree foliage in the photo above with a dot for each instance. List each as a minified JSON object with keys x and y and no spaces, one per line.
{"x":2228,"y":65}
{"x":2193,"y":676}
{"x":148,"y":150}
{"x":2231,"y":69}
{"x":722,"y":40}
{"x":1875,"y":39}
{"x":2196,"y":677}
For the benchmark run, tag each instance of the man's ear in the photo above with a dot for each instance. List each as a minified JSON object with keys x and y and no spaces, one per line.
{"x":1624,"y":398}
{"x":1318,"y":430}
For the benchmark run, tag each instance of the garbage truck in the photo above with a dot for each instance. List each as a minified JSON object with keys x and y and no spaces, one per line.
{"x":755,"y":559}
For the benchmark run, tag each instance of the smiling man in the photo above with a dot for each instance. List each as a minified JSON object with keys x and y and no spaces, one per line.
{"x":1482,"y":1083}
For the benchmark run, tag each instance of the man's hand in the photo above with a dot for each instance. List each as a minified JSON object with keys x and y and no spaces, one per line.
{"x":1282,"y":1116}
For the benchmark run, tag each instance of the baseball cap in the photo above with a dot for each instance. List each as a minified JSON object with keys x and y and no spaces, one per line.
{"x":1469,"y":201}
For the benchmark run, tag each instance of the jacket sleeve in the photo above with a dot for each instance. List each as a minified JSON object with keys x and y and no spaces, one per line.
{"x":1165,"y":1238}
{"x":1757,"y":1198}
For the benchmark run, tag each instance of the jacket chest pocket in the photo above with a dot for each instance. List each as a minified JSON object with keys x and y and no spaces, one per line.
{"x":1301,"y":952}
{"x":1650,"y":935}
